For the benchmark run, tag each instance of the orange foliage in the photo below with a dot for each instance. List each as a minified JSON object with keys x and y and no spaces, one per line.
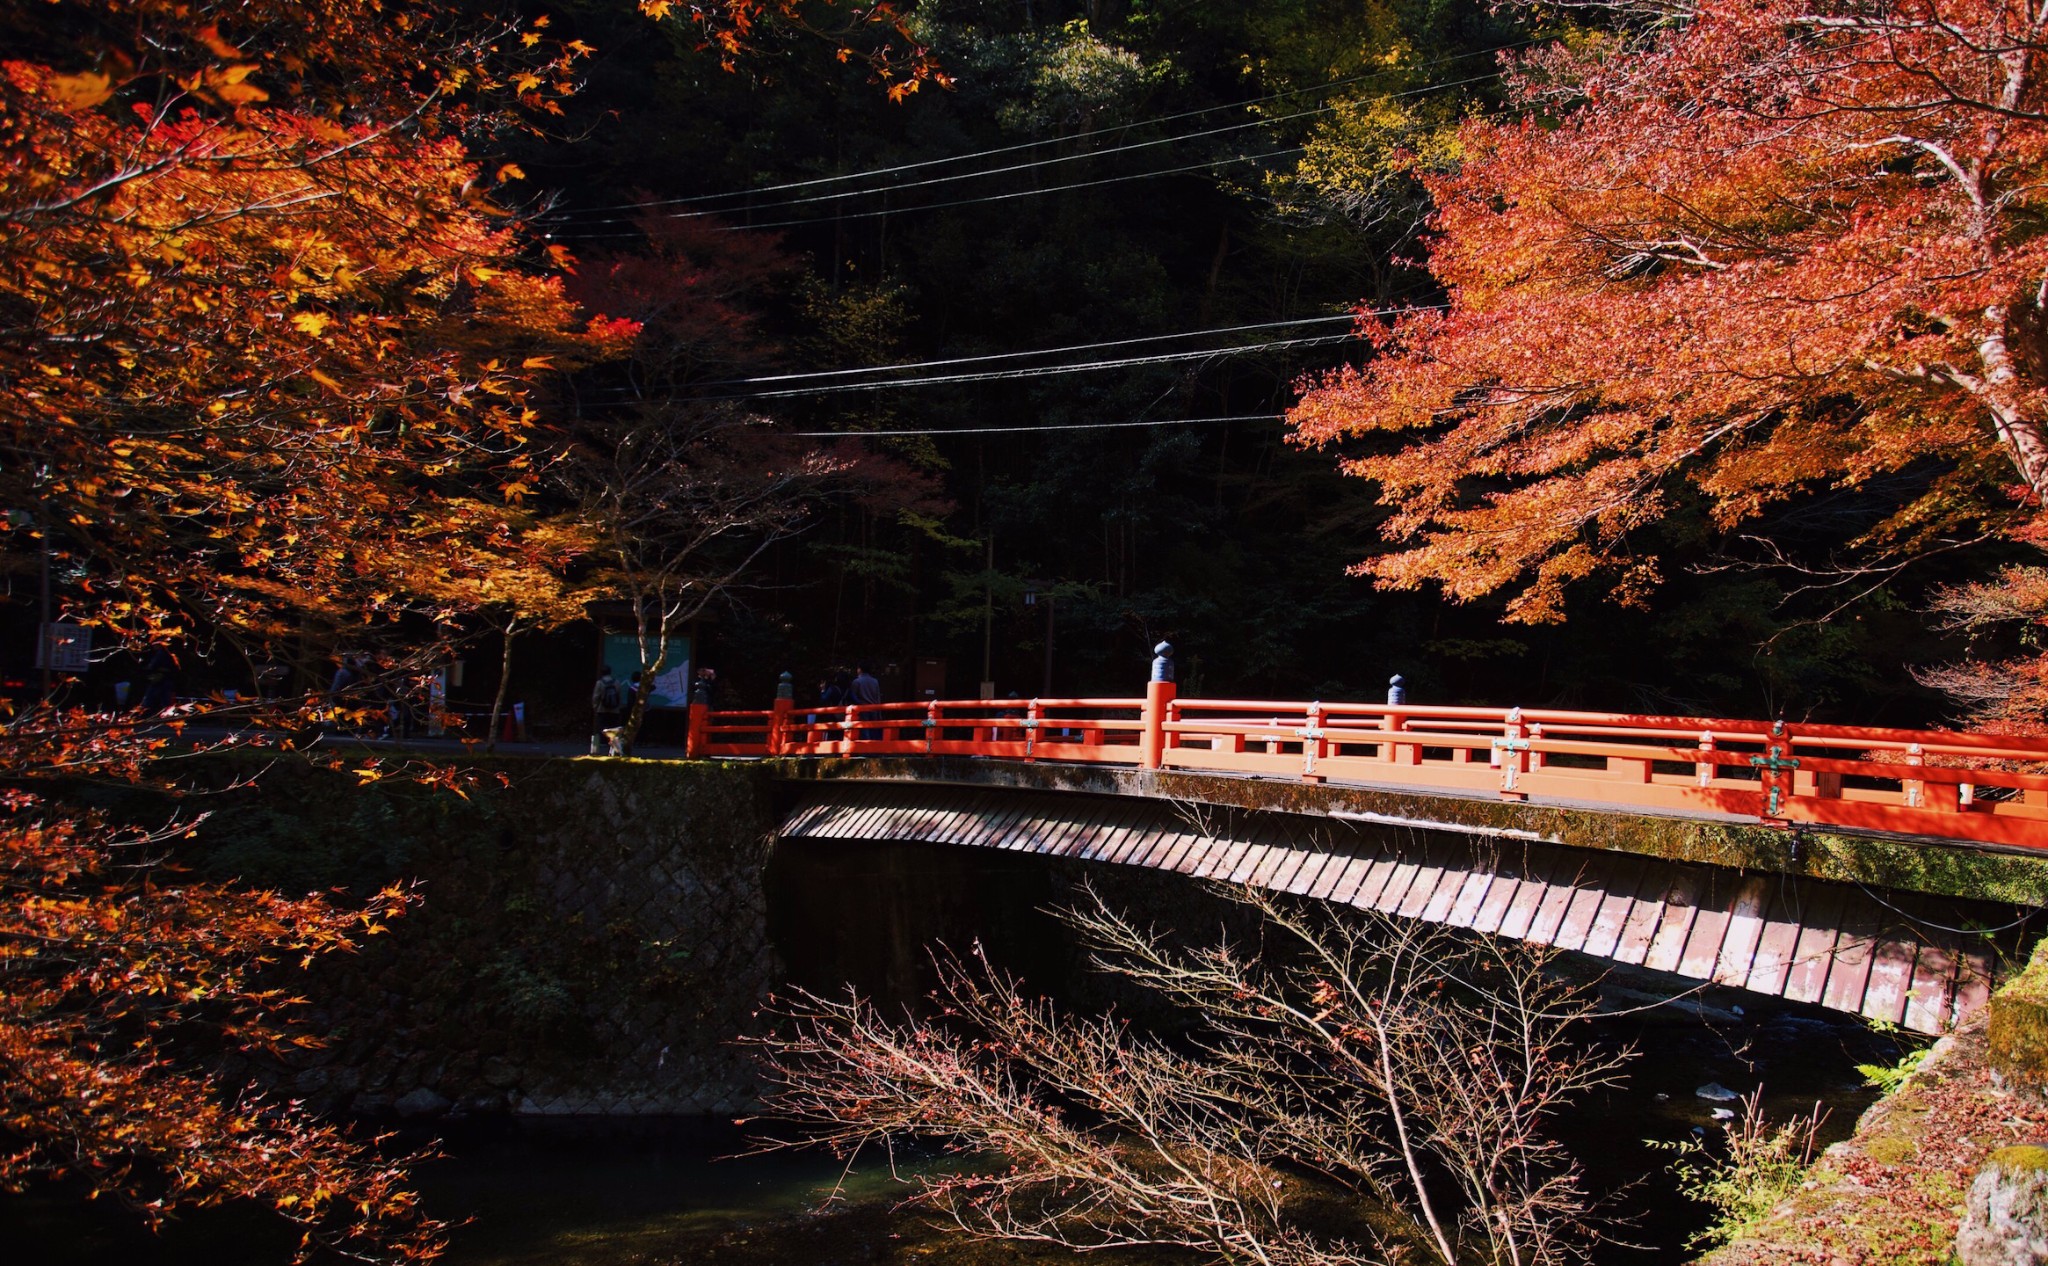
{"x":1787,"y":245}
{"x":116,"y":972}
{"x":875,"y":35}
{"x":267,"y":343}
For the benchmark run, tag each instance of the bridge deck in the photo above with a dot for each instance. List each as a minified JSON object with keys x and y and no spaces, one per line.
{"x":1912,"y":784}
{"x":1895,"y":957}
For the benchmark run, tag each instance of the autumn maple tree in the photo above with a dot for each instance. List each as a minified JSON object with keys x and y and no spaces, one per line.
{"x":1754,"y":251}
{"x":679,"y":482}
{"x":273,"y":351}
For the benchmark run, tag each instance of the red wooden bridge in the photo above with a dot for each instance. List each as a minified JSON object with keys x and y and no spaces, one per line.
{"x":1984,"y":790}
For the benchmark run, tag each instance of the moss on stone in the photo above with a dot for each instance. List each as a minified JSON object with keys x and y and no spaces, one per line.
{"x":2020,"y":1158}
{"x":1891,"y":1151}
{"x":2018,"y":1027}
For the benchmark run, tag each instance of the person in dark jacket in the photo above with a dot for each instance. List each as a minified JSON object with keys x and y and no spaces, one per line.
{"x":865,"y":690}
{"x":607,"y":700}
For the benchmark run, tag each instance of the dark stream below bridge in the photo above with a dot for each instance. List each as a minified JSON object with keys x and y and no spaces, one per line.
{"x":653,"y":1192}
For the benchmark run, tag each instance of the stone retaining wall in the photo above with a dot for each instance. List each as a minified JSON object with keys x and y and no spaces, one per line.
{"x":590,"y":938}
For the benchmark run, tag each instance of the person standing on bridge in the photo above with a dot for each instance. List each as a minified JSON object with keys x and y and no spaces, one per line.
{"x":606,"y":700}
{"x":864,"y":690}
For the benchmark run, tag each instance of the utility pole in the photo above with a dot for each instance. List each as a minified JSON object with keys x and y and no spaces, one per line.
{"x":988,"y":619}
{"x":43,"y":628}
{"x":1046,"y":693}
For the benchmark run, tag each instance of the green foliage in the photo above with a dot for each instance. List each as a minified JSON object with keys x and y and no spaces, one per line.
{"x":356,"y":846}
{"x":525,"y":999}
{"x":1889,"y":1078}
{"x":1761,"y":1167}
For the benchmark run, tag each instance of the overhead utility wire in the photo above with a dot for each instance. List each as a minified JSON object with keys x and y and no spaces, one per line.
{"x":1021,"y":372}
{"x":1057,"y":426}
{"x":1040,"y":351}
{"x":1024,"y":145}
{"x":1037,"y":371}
{"x":1028,"y":166}
{"x":989,"y":171}
{"x":962,"y":202}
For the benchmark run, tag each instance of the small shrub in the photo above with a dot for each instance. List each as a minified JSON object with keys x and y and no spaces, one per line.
{"x":1889,"y":1079}
{"x":1763,"y":1166}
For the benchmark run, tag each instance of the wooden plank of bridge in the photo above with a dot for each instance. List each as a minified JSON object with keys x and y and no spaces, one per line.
{"x":1645,"y":915}
{"x":1345,"y":887}
{"x":1891,"y":974}
{"x":1850,"y":971}
{"x":1709,"y":929}
{"x":1528,"y":898}
{"x":1557,"y":899}
{"x":1509,"y":871}
{"x":1681,"y":906}
{"x":1611,"y":915}
{"x":1814,"y":953}
{"x":1306,"y":876}
{"x":1579,"y":914}
{"x":1428,"y":875}
{"x":1806,"y":940}
{"x":1934,"y":978}
{"x":1372,"y":883}
{"x":1745,"y":931}
{"x":1471,"y":895}
{"x":1776,"y":943}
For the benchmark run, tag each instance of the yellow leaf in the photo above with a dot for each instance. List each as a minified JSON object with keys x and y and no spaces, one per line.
{"x":210,"y":36}
{"x":229,"y":87}
{"x":313,"y":323}
{"x":81,"y":92}
{"x":511,"y":171}
{"x":323,"y":379}
{"x":484,"y":274}
{"x":538,"y":362}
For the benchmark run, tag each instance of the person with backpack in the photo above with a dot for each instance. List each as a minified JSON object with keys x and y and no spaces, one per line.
{"x":606,"y":702}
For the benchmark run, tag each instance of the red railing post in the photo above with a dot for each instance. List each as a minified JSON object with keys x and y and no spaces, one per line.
{"x":778,"y":719}
{"x":699,"y":732}
{"x":1152,"y":738}
{"x":1508,"y":753}
{"x":1393,"y":723}
{"x":1312,"y":743}
{"x":1920,"y":794}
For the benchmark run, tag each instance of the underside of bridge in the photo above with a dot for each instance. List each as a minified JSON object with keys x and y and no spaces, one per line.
{"x":1913,"y":958}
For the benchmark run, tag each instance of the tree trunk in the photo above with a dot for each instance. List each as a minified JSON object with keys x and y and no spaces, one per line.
{"x":504,"y":687}
{"x":2020,"y":434}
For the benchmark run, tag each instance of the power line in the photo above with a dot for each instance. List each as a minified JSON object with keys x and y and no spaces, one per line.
{"x":1022,"y":372}
{"x":1044,"y":351}
{"x":1017,"y":167}
{"x":1058,"y":426}
{"x":1013,"y":167}
{"x":962,"y":202}
{"x":1041,"y":371}
{"x":1024,"y":145}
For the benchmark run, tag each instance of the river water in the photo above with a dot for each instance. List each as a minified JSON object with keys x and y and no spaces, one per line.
{"x":673,"y":1193}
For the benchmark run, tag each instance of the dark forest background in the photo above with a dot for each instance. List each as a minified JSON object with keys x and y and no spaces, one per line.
{"x":1217,"y":535}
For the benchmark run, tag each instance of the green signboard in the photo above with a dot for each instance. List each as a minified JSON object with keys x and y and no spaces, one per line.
{"x":671,"y":684}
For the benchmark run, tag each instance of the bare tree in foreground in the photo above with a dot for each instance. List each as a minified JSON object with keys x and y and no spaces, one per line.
{"x":1413,"y":1065}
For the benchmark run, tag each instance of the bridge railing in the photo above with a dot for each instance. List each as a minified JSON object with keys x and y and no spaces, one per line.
{"x":1989,"y":789}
